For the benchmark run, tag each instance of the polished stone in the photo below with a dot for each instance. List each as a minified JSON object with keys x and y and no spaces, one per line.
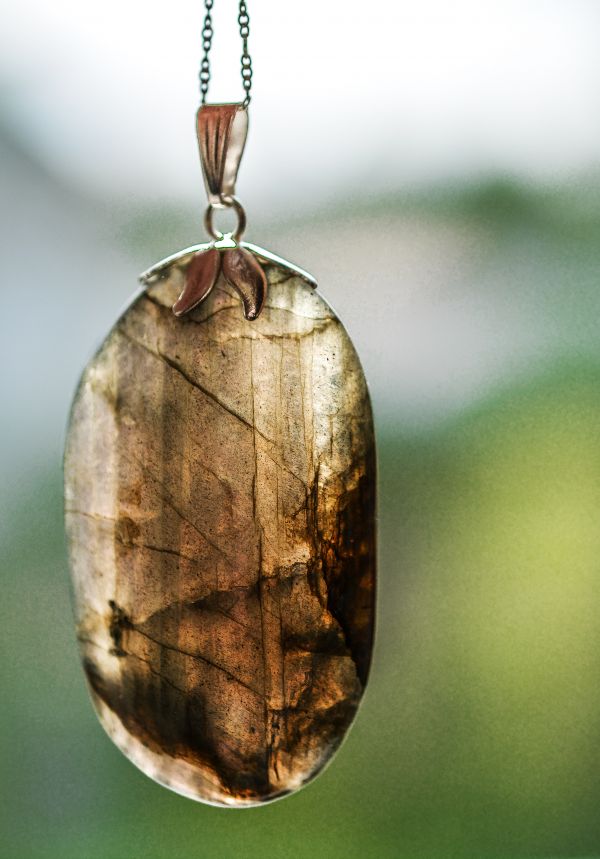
{"x":220,"y":492}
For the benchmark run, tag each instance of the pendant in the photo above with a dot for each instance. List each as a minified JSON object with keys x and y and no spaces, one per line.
{"x":220,"y":513}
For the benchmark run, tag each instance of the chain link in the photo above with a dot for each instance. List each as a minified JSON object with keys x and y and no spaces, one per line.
{"x":207,"y":37}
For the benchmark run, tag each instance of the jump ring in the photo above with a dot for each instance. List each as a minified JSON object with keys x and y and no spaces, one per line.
{"x":227,"y":202}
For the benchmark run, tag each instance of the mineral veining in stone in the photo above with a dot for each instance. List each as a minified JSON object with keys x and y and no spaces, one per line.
{"x":220,"y":480}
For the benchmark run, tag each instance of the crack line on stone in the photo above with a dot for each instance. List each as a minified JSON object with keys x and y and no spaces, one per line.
{"x":184,"y":375}
{"x":97,"y":516}
{"x":300,"y":315}
{"x":294,"y":337}
{"x":170,"y":363}
{"x":162,"y":550}
{"x":136,"y":629}
{"x":259,"y":578}
{"x":179,"y":604}
{"x":173,"y":507}
{"x":191,"y":604}
{"x":128,"y":653}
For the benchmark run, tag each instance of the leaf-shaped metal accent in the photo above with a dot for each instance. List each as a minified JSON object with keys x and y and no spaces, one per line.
{"x":245,"y":274}
{"x":201,"y":276}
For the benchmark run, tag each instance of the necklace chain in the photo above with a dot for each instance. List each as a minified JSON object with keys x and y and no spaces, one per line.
{"x":207,"y":37}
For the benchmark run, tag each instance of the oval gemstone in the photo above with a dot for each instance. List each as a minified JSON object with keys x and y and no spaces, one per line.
{"x":220,"y":493}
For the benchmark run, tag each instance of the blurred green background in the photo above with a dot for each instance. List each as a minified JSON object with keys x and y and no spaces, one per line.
{"x":472,"y":296}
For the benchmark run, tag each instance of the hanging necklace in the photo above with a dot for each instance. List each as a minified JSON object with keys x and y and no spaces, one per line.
{"x":220,"y":498}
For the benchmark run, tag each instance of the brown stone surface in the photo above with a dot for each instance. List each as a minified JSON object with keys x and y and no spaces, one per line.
{"x":220,"y":490}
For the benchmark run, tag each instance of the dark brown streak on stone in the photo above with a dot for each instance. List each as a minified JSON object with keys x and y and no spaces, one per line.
{"x":208,"y":601}
{"x":347,"y":558}
{"x":191,"y":742}
{"x":118,"y":622}
{"x":160,"y":549}
{"x":211,"y":602}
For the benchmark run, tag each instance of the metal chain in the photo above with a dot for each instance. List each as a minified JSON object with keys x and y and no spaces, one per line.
{"x":244,"y":22}
{"x":207,"y":36}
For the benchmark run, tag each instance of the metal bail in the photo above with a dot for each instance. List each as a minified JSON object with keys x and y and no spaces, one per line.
{"x":222,"y":130}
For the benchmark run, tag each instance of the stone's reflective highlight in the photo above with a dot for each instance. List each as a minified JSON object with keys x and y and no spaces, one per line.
{"x":220,"y":492}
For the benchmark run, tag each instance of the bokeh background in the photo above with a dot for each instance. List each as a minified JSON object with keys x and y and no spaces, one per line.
{"x":437,"y":167}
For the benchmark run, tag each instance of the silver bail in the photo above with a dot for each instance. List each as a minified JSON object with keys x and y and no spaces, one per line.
{"x":222,"y":130}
